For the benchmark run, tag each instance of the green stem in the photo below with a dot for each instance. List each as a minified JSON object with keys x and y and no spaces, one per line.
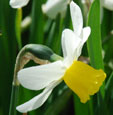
{"x":15,"y":88}
{"x":15,"y":85}
{"x":14,"y":99}
{"x":18,"y":20}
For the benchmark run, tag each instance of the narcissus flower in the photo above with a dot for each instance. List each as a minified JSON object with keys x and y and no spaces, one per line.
{"x":107,"y":4}
{"x":53,"y":7}
{"x":80,"y":77}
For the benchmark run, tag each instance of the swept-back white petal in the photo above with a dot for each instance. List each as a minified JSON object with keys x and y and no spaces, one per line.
{"x":39,"y":100}
{"x":53,"y":7}
{"x":18,"y":3}
{"x":107,"y":4}
{"x":85,"y":34}
{"x":77,"y":19}
{"x":69,"y":44}
{"x":38,"y":77}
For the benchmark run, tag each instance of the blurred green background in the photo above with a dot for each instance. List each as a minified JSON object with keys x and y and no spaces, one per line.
{"x":46,"y":31}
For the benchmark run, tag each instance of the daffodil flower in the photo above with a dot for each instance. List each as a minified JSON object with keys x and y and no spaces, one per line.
{"x":80,"y":77}
{"x":52,"y":7}
{"x":18,"y":3}
{"x":108,"y":4}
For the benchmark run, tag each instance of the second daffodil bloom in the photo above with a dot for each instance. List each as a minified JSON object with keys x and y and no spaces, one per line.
{"x":52,"y":7}
{"x":107,"y":4}
{"x":81,"y":78}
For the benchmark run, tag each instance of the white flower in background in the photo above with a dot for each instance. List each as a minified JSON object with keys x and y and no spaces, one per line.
{"x":108,"y":4}
{"x":80,"y":77}
{"x":18,"y":3}
{"x":52,"y":7}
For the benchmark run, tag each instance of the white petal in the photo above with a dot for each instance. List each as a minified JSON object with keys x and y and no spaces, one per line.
{"x":38,"y":77}
{"x":107,"y":4}
{"x":39,"y":100}
{"x":70,"y":42}
{"x":77,"y":19}
{"x":85,"y":34}
{"x":18,"y":3}
{"x":53,"y":7}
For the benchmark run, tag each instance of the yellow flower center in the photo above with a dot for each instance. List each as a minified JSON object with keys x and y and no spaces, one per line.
{"x":83,"y":80}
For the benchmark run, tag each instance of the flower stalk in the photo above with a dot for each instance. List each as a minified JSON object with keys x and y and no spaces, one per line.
{"x":18,"y":20}
{"x":15,"y":84}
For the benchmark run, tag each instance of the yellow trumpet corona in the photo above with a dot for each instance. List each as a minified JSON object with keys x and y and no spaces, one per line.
{"x":83,"y":79}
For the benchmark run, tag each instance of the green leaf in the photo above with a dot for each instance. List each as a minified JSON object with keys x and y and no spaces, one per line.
{"x":59,"y":104}
{"x":109,"y":86}
{"x":7,"y":53}
{"x":94,"y":46}
{"x":94,"y":41}
{"x":80,"y":108}
{"x":37,"y":25}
